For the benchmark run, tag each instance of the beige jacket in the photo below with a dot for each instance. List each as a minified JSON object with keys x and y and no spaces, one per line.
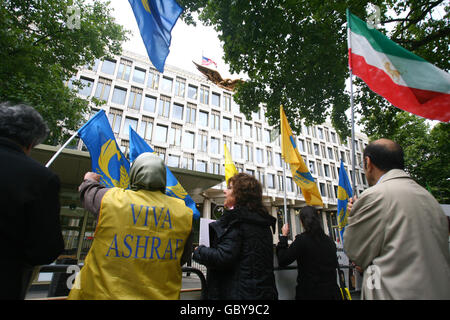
{"x":398,"y":233}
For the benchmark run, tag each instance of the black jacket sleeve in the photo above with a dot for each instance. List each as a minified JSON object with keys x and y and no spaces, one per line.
{"x":224,"y":255}
{"x":287,"y":254}
{"x":44,"y":241}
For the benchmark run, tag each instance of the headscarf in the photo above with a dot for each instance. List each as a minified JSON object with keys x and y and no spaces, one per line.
{"x":148,"y":172}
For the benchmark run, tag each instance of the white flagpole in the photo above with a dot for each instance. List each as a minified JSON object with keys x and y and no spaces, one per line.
{"x":60,"y":150}
{"x":349,"y":41}
{"x":285,"y":194}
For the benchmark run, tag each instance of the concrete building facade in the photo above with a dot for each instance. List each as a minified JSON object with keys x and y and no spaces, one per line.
{"x":187,"y":120}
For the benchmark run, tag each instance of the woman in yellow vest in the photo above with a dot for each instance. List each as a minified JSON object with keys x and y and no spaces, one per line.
{"x":142,"y":237}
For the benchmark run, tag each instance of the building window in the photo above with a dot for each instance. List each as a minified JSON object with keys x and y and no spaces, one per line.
{"x":175,"y":135}
{"x":153,"y":79}
{"x":215,"y":99}
{"x":103,"y":89}
{"x":323,"y":192}
{"x":270,"y":181}
{"x":280,"y":181}
{"x":135,"y":98}
{"x":203,"y":141}
{"x":203,"y":118}
{"x":260,"y":176}
{"x":180,"y":87}
{"x":119,"y":95}
{"x":269,"y":156}
{"x":301,"y":145}
{"x":319,"y":168}
{"x":187,"y":162}
{"x":316,"y":149}
{"x":125,"y":147}
{"x":289,"y":184}
{"x":115,"y":119}
{"x":164,"y":106}
{"x":204,"y":95}
{"x":226,"y":124}
{"x":330,"y":153}
{"x":86,"y":86}
{"x":214,"y":167}
{"x":201,"y":165}
{"x":108,"y":66}
{"x":326,"y":169}
{"x":145,"y":130}
{"x":177,"y":111}
{"x":258,"y":132}
{"x":166,"y":85}
{"x":215,"y":149}
{"x":247,"y":130}
{"x":238,"y":127}
{"x":215,"y":120}
{"x":161,"y":152}
{"x":278,"y":160}
{"x":266,"y":135}
{"x":161,"y":133}
{"x":139,"y":75}
{"x":320,"y":131}
{"x":173,"y":161}
{"x":259,"y":156}
{"x":192,"y":92}
{"x":312,"y":169}
{"x":188,"y":139}
{"x":248,"y":151}
{"x":124,"y":70}
{"x":227,"y":102}
{"x":190,"y":113}
{"x":149,"y":103}
{"x":237,"y":151}
{"x":126,"y":126}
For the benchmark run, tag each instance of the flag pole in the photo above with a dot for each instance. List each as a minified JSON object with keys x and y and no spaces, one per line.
{"x":60,"y":150}
{"x":350,"y":66}
{"x":285,"y":194}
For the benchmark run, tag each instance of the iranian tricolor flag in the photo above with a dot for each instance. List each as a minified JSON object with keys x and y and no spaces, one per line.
{"x":403,"y":78}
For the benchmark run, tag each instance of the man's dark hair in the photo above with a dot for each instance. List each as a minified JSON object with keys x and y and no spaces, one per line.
{"x":385,"y":155}
{"x":22,"y":124}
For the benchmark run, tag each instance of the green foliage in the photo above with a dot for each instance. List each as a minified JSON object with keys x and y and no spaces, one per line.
{"x":41,"y":48}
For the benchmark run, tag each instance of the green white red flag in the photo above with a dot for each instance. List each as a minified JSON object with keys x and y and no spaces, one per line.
{"x":403,"y":78}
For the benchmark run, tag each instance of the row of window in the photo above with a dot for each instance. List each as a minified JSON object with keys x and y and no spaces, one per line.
{"x":154,"y":81}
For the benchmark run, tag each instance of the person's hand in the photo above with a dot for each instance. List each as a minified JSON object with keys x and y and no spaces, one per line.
{"x":357,"y":268}
{"x":350,"y":203}
{"x":92,"y":176}
{"x":285,"y":230}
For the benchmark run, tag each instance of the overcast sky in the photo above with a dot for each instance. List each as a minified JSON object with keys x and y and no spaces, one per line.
{"x":188,"y":42}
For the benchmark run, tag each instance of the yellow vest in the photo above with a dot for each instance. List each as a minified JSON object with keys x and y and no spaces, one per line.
{"x":137,"y":248}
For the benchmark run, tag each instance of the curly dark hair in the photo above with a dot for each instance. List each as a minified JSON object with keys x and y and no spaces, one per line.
{"x":22,"y":123}
{"x":247,"y":192}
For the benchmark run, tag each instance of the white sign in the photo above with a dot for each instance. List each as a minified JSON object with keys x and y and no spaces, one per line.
{"x":204,"y":231}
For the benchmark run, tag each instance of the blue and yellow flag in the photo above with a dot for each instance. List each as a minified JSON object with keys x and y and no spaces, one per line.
{"x":173,"y":187}
{"x":155,"y":19}
{"x":230,"y":168}
{"x":106,"y":157}
{"x":344,"y":193}
{"x":300,"y":172}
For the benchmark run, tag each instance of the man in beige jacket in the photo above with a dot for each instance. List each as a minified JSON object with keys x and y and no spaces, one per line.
{"x":397,"y":233}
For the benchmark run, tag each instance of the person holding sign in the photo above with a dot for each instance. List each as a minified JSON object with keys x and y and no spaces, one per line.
{"x":240,"y":256}
{"x":142,"y":237}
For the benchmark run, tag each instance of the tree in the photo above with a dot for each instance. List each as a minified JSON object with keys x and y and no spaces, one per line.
{"x":295,"y":53}
{"x":42,"y":43}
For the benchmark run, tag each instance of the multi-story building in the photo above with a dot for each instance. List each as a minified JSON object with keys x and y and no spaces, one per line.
{"x":188,"y":119}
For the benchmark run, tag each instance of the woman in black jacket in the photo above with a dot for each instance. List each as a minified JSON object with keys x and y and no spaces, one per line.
{"x":240,"y":256}
{"x":316,"y":257}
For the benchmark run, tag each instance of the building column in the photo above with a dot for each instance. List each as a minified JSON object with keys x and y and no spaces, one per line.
{"x":206,"y":209}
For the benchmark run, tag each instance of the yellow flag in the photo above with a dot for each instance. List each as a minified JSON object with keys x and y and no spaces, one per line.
{"x":300,"y":172}
{"x":230,"y":168}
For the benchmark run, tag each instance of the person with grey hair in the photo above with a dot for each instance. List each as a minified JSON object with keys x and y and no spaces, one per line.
{"x":30,"y":229}
{"x":142,"y":239}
